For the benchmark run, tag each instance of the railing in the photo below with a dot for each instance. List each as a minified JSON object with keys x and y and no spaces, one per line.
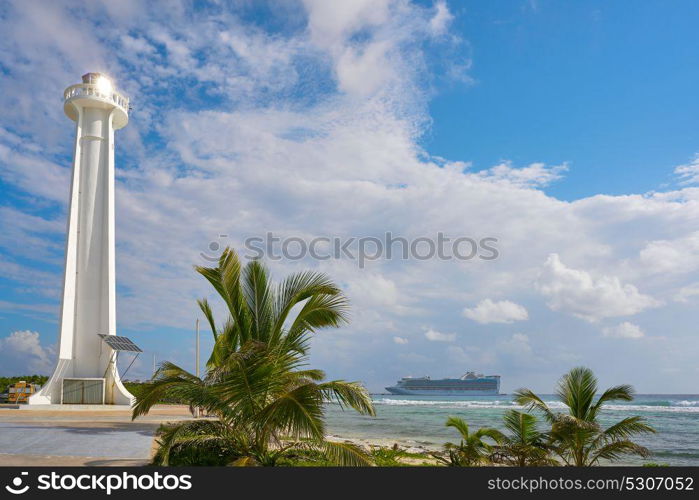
{"x":92,"y":90}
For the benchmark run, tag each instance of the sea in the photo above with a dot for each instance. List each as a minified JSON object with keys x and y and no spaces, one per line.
{"x":418,"y":421}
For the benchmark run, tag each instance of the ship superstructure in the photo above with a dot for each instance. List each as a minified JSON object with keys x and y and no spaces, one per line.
{"x":470,"y":384}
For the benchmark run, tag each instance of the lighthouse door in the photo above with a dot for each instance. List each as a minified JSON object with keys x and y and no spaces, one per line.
{"x":83,"y":391}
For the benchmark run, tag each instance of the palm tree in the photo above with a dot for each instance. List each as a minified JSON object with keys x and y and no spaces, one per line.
{"x":525,"y":445}
{"x":472,"y":450}
{"x":577,"y":436}
{"x":266,"y":402}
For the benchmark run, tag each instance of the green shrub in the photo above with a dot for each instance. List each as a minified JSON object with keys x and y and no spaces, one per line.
{"x":6,"y":382}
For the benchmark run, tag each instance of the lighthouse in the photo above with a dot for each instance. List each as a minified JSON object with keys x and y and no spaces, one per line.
{"x":86,"y":372}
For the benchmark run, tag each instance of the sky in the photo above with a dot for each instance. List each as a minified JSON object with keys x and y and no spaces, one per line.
{"x":568,"y":131}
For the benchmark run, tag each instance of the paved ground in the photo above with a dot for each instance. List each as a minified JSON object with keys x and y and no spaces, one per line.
{"x":39,"y":437}
{"x":118,"y":441}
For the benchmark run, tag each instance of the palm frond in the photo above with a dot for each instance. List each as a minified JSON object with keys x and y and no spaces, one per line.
{"x":493,"y":434}
{"x":531,"y":401}
{"x":209,"y":315}
{"x":311,"y":374}
{"x":245,"y":462}
{"x":297,"y":413}
{"x":345,"y":454}
{"x":577,"y":436}
{"x":194,"y":434}
{"x":172,"y":381}
{"x":320,"y":311}
{"x":257,"y":383}
{"x":351,"y":394}
{"x":458,"y":424}
{"x":627,"y":427}
{"x":295,"y":289}
{"x":259,"y":299}
{"x":521,"y":425}
{"x":616,"y":393}
{"x":617,"y":449}
{"x":577,"y":389}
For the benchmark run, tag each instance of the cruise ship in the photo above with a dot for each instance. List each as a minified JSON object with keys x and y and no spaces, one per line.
{"x":471,"y":384}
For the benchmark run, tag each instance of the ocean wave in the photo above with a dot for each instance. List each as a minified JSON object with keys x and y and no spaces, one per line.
{"x":669,"y":402}
{"x":683,"y":406}
{"x":654,"y":408}
{"x":456,"y":403}
{"x":685,"y":403}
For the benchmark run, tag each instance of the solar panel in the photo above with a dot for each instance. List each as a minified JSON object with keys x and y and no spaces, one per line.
{"x":120,"y":343}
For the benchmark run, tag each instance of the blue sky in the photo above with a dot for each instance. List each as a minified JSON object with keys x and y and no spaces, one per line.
{"x":568,"y":130}
{"x":596,"y":84}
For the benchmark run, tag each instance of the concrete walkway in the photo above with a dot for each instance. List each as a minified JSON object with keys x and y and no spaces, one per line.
{"x":80,"y":438}
{"x":118,"y":441}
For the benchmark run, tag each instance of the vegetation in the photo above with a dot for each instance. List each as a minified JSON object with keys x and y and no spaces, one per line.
{"x":397,"y":457}
{"x":268,"y":405}
{"x":473,"y":449}
{"x":137,"y":389}
{"x":381,"y":456}
{"x":525,"y":445}
{"x":6,"y":382}
{"x":387,"y":457}
{"x":577,"y":436}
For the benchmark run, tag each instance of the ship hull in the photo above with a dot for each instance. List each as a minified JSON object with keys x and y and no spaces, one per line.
{"x":464,"y":392}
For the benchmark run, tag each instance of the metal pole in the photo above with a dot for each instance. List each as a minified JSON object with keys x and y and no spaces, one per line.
{"x":197,"y":364}
{"x":196,"y":410}
{"x":153,"y":365}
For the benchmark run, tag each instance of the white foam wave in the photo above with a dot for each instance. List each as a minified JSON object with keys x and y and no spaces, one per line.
{"x":457,"y":403}
{"x":677,"y":407}
{"x":654,"y":408}
{"x":686,"y":403}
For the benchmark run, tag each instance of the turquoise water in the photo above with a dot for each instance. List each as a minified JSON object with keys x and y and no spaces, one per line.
{"x":419,"y":421}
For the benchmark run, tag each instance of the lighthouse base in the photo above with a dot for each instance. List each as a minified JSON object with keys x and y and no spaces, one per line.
{"x":63,"y":388}
{"x":67,"y":407}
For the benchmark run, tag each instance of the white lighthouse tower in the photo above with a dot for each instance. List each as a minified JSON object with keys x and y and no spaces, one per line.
{"x":86,"y":372}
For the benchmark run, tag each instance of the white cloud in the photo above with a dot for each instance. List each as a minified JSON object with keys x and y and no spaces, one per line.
{"x":689,"y":173}
{"x":517,"y":345}
{"x":374,"y":289}
{"x":331,"y":24}
{"x":27,"y":169}
{"x":137,"y":45}
{"x":467,"y":356}
{"x":512,"y":351}
{"x":502,"y":311}
{"x":413,"y":357}
{"x":680,"y":255}
{"x":435,"y":336}
{"x":22,"y":350}
{"x":400,"y":340}
{"x":311,"y":131}
{"x":534,"y":175}
{"x":369,"y":41}
{"x":364,"y":71}
{"x":624,"y":330}
{"x":686,"y":293}
{"x":579,"y":293}
{"x":442,"y":18}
